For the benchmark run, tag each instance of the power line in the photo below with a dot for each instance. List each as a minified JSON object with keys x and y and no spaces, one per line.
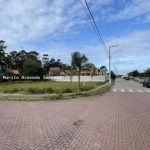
{"x":89,"y":18}
{"x":95,"y":26}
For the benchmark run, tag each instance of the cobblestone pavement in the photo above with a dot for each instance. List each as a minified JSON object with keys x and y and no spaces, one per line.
{"x":114,"y":121}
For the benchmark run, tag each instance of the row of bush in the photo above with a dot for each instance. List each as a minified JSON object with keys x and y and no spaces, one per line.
{"x":45,"y":90}
{"x":39,"y":91}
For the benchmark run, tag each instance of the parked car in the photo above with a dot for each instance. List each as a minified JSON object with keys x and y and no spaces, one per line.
{"x":146,"y":83}
{"x":127,"y":78}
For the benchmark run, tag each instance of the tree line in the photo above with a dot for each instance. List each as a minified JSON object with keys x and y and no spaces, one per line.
{"x":27,"y":62}
{"x":136,"y":73}
{"x":30,"y":64}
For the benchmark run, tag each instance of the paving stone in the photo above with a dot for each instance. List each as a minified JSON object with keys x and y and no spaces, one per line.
{"x":113,"y":121}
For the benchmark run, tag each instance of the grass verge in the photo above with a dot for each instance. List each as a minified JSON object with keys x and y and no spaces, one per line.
{"x":54,"y":96}
{"x":141,"y":82}
{"x":45,"y":87}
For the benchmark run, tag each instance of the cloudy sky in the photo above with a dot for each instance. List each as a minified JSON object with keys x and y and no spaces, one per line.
{"x":60,"y":27}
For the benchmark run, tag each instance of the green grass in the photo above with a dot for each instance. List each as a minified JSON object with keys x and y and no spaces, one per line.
{"x":137,"y":81}
{"x":59,"y":96}
{"x":40,"y":87}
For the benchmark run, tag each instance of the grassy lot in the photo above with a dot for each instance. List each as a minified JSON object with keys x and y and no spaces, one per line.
{"x":54,"y":96}
{"x":41,"y":87}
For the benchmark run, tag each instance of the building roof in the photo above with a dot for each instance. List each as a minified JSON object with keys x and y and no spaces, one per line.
{"x":14,"y":71}
{"x":54,"y":69}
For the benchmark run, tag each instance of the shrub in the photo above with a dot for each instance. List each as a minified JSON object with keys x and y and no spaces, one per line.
{"x":32,"y":90}
{"x":36,"y":91}
{"x":86,"y":88}
{"x":58,"y":91}
{"x":67,"y":90}
{"x":22,"y":89}
{"x":40,"y":91}
{"x":15,"y":90}
{"x":50,"y":90}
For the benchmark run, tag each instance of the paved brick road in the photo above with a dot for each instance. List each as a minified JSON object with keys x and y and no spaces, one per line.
{"x":114,"y":121}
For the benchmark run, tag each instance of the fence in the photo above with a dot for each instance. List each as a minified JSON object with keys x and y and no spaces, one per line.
{"x":82,"y":78}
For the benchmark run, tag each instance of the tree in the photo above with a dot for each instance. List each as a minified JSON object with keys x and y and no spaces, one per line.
{"x":2,"y":47}
{"x":135,"y":73}
{"x":32,"y":68}
{"x":70,"y":72}
{"x":13,"y":60}
{"x":130,"y":74}
{"x":33,"y":55}
{"x":2,"y":54}
{"x":21,"y":58}
{"x":45,"y":61}
{"x":103,"y":69}
{"x":113,"y":76}
{"x":80,"y":62}
{"x":147,"y":72}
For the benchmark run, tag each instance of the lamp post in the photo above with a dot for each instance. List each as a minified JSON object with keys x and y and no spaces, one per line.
{"x":110,"y":56}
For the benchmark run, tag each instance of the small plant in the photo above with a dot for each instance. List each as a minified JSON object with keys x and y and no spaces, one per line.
{"x":32,"y":90}
{"x":15,"y":90}
{"x":49,"y":90}
{"x":58,"y":91}
{"x":56,"y":97}
{"x":36,"y":90}
{"x":86,"y":88}
{"x":40,"y":91}
{"x":21,"y":89}
{"x":67,"y":90}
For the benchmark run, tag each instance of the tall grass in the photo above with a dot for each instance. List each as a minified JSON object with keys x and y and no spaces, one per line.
{"x":40,"y":87}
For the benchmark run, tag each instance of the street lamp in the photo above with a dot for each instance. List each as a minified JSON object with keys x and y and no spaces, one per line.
{"x":110,"y":56}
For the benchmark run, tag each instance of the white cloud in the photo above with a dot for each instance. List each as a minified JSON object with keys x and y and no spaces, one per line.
{"x":132,"y":9}
{"x":27,"y":20}
{"x":30,"y":19}
{"x":25,"y":23}
{"x":134,"y":53}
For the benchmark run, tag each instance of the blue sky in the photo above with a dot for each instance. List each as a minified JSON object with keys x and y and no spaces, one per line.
{"x":59,"y":27}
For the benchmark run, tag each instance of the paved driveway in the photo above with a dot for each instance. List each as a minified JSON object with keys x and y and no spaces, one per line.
{"x":114,"y":121}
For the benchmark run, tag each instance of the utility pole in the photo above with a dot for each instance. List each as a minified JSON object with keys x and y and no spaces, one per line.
{"x":110,"y":62}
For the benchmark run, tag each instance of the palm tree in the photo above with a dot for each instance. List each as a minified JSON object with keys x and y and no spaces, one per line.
{"x":70,"y":72}
{"x":80,"y":62}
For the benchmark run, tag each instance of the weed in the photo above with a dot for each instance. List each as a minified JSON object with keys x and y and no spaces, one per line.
{"x":56,"y":97}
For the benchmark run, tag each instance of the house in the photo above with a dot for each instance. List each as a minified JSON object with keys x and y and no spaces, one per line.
{"x":54,"y":71}
{"x":15,"y":71}
{"x":90,"y":73}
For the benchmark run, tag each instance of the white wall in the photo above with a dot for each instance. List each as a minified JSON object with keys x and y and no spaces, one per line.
{"x":82,"y":78}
